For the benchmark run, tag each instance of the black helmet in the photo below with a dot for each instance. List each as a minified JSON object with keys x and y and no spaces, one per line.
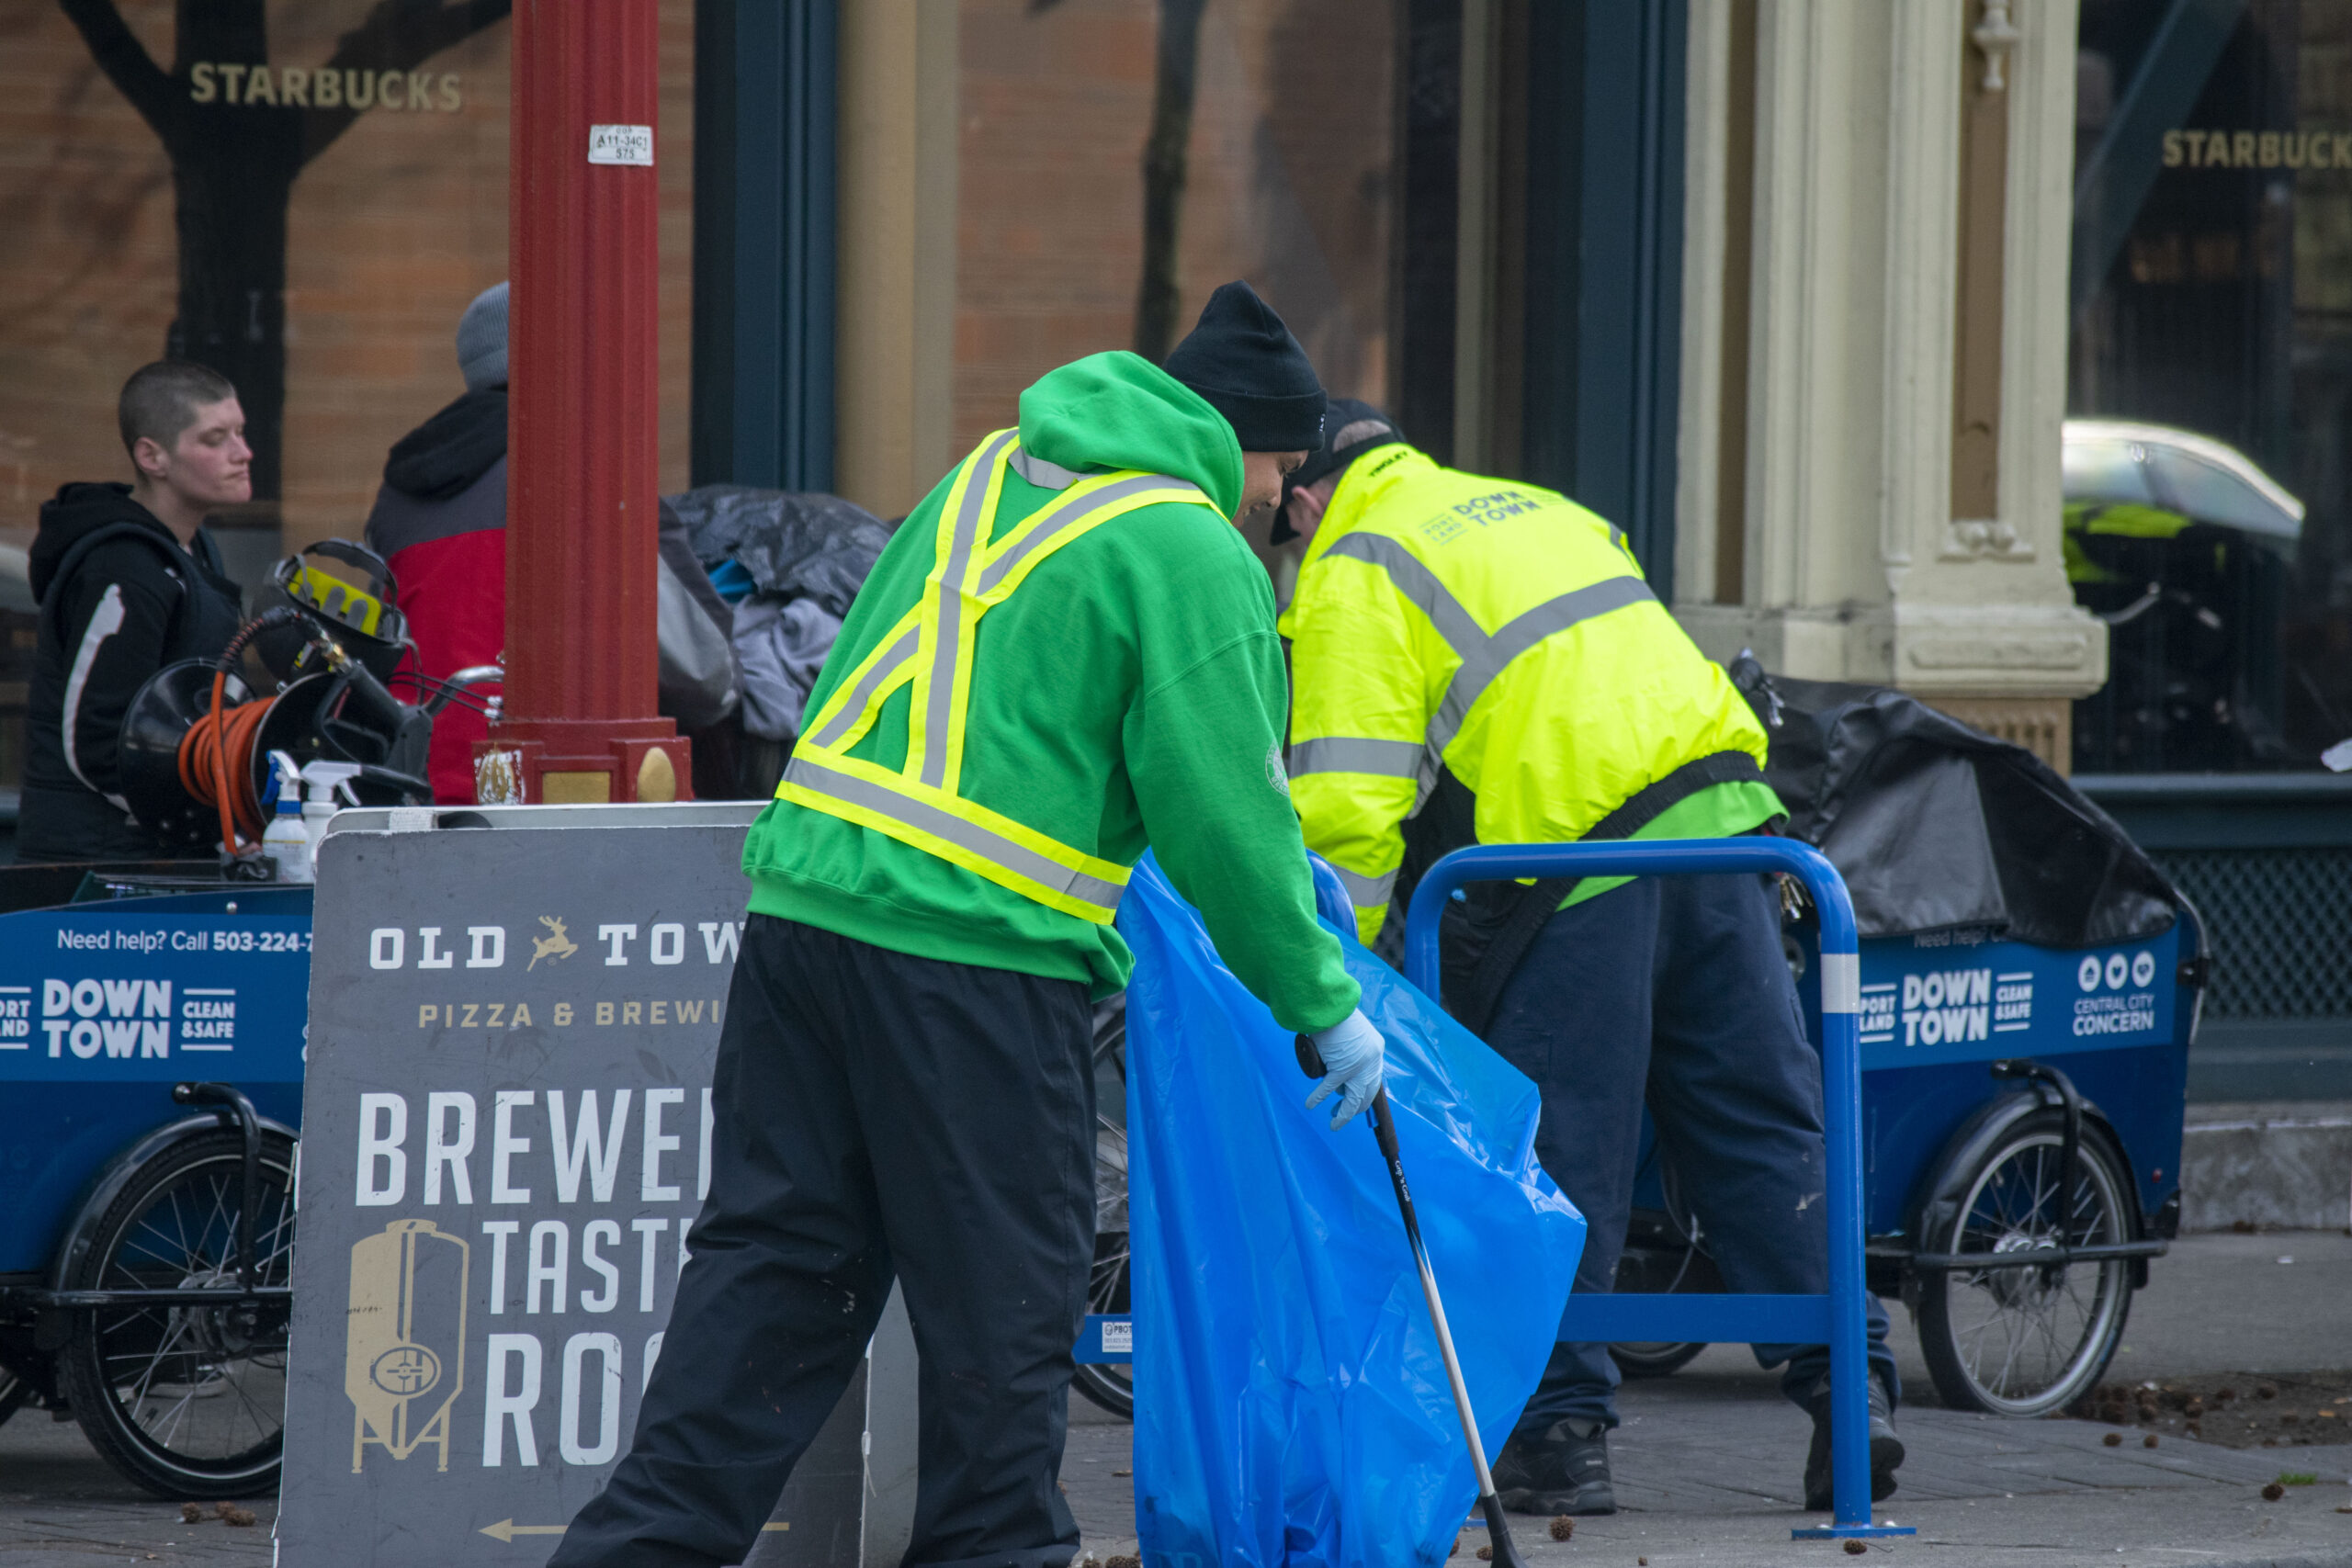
{"x":365,"y":622}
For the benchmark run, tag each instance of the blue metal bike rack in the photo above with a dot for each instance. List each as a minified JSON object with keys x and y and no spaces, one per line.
{"x":1839,"y":1317}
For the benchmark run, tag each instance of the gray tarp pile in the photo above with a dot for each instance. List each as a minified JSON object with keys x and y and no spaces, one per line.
{"x":807,"y":554}
{"x":698,"y":683}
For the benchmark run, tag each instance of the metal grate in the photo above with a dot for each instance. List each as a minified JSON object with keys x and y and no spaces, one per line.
{"x":2280,"y":924}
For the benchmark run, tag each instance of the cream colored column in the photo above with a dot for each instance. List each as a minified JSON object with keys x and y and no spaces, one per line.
{"x":1986,"y":624}
{"x":895,"y":271}
{"x":1855,"y":567}
{"x":1815,"y":599}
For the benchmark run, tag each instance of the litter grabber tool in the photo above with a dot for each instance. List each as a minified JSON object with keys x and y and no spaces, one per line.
{"x":1383,"y":1128}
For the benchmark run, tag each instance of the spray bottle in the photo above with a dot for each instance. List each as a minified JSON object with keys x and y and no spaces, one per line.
{"x":285,"y":842}
{"x":327,"y":780}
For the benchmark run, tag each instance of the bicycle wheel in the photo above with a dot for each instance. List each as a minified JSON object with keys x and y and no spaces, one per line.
{"x":2028,"y":1339}
{"x":1110,"y":1386}
{"x":187,"y":1401}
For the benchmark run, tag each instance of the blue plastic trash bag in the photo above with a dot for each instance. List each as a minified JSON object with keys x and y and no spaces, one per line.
{"x":1291,"y":1402}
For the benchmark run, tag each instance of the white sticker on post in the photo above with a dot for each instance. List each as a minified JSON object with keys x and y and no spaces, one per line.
{"x":1119,"y":1339}
{"x":1841,"y":982}
{"x":631,"y":144}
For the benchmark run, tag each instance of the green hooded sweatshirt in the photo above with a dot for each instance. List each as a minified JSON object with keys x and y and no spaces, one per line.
{"x":1129,"y":696}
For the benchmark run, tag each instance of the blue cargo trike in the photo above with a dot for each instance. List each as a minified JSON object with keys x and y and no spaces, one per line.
{"x":151,"y":1029}
{"x":151,"y":1061}
{"x":2030,"y":988}
{"x":1995,"y":1076}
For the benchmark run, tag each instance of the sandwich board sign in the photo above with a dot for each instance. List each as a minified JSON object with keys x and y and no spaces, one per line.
{"x":506,"y":1119}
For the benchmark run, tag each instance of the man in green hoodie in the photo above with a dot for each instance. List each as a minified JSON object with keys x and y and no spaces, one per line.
{"x":1065,"y":656}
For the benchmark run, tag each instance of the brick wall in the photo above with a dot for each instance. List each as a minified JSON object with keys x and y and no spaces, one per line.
{"x":1288,"y":184}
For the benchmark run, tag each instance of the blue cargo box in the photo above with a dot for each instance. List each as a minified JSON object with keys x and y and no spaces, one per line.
{"x":105,"y":1005}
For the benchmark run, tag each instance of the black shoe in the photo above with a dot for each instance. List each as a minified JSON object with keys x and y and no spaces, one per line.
{"x":1562,"y":1471}
{"x":1886,"y":1448}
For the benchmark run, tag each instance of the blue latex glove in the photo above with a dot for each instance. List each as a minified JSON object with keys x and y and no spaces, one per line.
{"x":1351,"y":1054}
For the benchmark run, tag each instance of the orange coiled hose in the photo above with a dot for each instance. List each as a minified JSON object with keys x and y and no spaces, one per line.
{"x":216,"y":759}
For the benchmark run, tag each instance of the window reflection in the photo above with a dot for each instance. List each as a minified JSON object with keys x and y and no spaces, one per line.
{"x":1118,"y":160}
{"x":2213,"y":296}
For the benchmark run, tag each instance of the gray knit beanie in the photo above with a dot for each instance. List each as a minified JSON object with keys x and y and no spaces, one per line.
{"x":482,"y":340}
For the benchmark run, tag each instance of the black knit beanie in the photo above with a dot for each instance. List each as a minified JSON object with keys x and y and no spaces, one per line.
{"x":1244,"y":364}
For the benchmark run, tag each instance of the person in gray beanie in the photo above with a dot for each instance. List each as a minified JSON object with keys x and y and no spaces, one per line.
{"x":481,"y":340}
{"x":439,"y":521}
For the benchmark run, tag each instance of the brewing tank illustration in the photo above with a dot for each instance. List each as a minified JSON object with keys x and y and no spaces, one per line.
{"x":404,"y":1357}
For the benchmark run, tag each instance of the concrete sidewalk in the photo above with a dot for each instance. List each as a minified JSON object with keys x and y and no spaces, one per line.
{"x":1707,"y":1474}
{"x":62,"y":1507}
{"x":1707,"y":1462}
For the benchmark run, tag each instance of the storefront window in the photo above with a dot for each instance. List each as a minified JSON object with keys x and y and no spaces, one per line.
{"x":303,"y":195}
{"x":2212,"y":295}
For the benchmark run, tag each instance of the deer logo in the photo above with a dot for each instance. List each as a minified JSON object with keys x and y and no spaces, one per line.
{"x":556,"y":943}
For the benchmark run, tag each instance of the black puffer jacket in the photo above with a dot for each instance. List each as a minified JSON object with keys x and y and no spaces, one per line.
{"x":120,"y":598}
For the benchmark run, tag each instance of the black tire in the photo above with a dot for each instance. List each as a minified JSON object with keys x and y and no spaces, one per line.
{"x":186,"y":1402}
{"x":1110,"y":1386}
{"x":2027,"y":1341}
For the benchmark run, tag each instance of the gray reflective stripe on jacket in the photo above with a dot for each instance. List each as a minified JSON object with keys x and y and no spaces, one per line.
{"x":1367,"y":892}
{"x":1483,"y":655}
{"x":830,"y":734}
{"x":1066,"y":513}
{"x":1358,"y":754}
{"x":1044,"y":475}
{"x":970,"y":836}
{"x":939,"y":709}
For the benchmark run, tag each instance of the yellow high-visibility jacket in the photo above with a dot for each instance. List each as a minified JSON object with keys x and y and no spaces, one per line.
{"x":1504,"y":635}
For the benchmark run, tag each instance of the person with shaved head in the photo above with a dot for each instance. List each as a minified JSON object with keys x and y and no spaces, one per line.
{"x":127,"y":581}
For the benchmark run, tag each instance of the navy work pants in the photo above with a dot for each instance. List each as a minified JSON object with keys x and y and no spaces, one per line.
{"x":876,"y":1114}
{"x":1675,"y":989}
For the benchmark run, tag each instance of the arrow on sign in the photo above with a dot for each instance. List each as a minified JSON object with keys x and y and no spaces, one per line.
{"x":505,"y":1531}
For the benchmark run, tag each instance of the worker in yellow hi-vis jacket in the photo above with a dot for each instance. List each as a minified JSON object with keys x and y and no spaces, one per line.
{"x":1479,"y":660}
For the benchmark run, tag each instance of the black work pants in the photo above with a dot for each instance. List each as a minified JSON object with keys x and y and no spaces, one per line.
{"x":1675,"y":990}
{"x":875,"y":1113}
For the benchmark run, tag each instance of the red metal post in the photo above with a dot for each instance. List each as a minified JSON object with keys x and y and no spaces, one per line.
{"x":579,"y":717}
